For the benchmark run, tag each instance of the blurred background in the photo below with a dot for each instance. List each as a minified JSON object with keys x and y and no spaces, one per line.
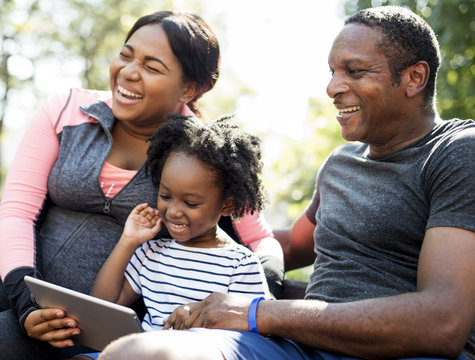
{"x":273,"y":72}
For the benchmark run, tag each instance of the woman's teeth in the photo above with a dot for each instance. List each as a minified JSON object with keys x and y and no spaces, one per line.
{"x":128,"y":94}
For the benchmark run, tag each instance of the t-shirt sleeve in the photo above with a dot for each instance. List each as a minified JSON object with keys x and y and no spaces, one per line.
{"x":311,"y":209}
{"x":248,"y":278}
{"x":132,"y":272}
{"x":449,"y":181}
{"x":26,"y":186}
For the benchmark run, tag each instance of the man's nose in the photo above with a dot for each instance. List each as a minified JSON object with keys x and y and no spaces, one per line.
{"x":337,"y":86}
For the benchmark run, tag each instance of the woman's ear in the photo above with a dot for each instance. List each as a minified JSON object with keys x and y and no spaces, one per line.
{"x":190,"y":91}
{"x":228,"y":207}
{"x":416,"y":76}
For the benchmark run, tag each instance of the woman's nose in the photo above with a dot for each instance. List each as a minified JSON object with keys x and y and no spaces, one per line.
{"x":131,"y":71}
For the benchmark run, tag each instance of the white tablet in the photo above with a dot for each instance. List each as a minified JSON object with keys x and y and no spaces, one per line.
{"x":100,"y":321}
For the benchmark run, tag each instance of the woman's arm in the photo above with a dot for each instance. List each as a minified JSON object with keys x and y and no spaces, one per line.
{"x":25,"y":190}
{"x":22,"y":200}
{"x":255,"y":233}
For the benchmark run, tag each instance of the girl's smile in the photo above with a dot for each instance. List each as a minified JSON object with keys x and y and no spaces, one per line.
{"x":189,"y":202}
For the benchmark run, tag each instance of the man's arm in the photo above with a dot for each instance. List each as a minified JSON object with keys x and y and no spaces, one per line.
{"x":433,"y":321}
{"x":297,"y":243}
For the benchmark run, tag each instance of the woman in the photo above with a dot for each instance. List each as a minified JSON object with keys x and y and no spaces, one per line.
{"x":79,"y":172}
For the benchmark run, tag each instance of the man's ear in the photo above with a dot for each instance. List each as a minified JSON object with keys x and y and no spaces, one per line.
{"x":190,"y":91}
{"x":228,"y":207}
{"x":416,"y":76}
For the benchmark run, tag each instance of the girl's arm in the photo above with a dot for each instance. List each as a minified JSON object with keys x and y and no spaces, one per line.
{"x":110,"y":283}
{"x":142,"y":225}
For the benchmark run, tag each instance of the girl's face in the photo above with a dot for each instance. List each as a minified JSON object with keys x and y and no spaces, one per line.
{"x":147,"y":80}
{"x":189,"y":202}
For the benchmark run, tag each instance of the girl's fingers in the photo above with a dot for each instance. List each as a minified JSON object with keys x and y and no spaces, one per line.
{"x":140,"y":207}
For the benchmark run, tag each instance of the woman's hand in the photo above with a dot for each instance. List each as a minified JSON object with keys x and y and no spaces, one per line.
{"x":51,"y":325}
{"x":142,"y":225}
{"x":217,"y":311}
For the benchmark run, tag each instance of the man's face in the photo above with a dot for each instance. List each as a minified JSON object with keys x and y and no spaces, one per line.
{"x":369,"y":105}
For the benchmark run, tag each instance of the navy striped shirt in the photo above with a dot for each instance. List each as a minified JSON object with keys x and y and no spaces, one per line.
{"x":168,"y":274}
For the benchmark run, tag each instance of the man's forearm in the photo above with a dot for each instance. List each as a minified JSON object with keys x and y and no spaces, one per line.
{"x":405,"y":325}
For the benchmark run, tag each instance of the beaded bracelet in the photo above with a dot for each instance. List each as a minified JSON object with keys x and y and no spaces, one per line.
{"x":252,"y":321}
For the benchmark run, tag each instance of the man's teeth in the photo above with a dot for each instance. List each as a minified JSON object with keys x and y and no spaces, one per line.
{"x":349,"y":110}
{"x":127,"y":93}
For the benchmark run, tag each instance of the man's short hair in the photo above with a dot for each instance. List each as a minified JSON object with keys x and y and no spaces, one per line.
{"x":407,"y":39}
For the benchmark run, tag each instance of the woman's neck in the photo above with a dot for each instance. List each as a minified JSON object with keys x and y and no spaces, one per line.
{"x":129,"y":147}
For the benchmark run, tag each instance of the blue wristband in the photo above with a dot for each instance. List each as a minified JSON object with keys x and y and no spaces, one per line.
{"x":251,"y":318}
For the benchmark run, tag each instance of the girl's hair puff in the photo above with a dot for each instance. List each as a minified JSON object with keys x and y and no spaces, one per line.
{"x":233,"y":154}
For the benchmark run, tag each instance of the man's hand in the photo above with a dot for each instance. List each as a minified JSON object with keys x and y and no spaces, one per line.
{"x":217,"y":311}
{"x":51,"y":325}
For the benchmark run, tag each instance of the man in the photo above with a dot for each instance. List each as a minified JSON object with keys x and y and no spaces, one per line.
{"x":394,"y":220}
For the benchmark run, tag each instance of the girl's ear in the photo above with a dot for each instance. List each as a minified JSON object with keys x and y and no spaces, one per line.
{"x":190,"y":91}
{"x":228,"y":207}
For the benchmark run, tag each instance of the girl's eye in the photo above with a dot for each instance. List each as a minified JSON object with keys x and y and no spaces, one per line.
{"x":164,"y":197}
{"x":191,"y":205}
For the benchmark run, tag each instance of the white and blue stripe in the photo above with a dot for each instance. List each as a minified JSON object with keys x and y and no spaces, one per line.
{"x":168,"y":274}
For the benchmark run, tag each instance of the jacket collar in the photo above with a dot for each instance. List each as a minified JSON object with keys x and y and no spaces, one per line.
{"x":101,"y":112}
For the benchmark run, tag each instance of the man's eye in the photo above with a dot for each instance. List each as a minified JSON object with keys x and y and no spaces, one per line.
{"x":124,"y":55}
{"x":355,"y":72}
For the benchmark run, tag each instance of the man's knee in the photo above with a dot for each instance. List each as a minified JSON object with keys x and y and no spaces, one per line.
{"x":162,"y":345}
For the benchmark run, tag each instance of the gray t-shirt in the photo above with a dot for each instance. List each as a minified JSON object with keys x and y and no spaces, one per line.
{"x":371,"y":213}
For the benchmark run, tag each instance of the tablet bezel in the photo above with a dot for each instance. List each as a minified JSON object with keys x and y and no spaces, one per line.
{"x":100,"y":321}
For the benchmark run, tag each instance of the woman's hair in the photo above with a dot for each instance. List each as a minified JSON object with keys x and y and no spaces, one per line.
{"x":407,"y":39}
{"x":233,"y":155}
{"x":193,"y":43}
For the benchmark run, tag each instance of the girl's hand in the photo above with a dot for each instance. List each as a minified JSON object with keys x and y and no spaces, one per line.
{"x":142,"y":225}
{"x":51,"y":325}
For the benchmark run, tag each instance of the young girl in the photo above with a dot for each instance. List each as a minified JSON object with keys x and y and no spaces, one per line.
{"x":203,"y":172}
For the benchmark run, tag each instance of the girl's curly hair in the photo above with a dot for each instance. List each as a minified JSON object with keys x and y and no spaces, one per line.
{"x":233,"y":154}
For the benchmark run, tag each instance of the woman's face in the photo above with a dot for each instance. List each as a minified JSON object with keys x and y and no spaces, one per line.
{"x":147,"y":80}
